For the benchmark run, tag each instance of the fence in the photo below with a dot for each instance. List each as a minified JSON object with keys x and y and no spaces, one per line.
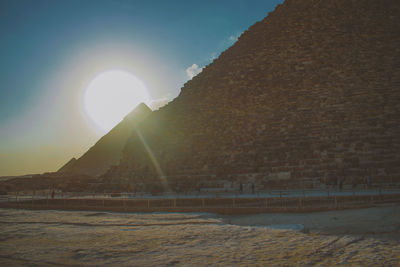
{"x":303,"y":193}
{"x":219,"y":205}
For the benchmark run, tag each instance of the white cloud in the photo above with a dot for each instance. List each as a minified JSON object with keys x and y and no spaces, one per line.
{"x":233,"y":38}
{"x":213,"y":56}
{"x":193,"y":71}
{"x":159,"y":103}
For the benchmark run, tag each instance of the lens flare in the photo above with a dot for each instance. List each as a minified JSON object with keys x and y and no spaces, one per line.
{"x":154,"y":161}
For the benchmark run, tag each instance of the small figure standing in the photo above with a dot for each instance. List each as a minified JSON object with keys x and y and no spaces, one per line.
{"x":340,"y":184}
{"x":368,"y":178}
{"x":252,"y":188}
{"x":241,"y":188}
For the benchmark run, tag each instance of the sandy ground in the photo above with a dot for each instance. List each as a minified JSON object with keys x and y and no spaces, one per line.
{"x":379,"y":222}
{"x":79,"y":238}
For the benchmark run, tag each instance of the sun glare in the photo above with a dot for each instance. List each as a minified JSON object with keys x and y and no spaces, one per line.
{"x":111,"y":95}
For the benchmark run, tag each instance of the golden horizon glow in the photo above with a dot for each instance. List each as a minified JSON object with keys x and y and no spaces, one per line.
{"x":111,"y":95}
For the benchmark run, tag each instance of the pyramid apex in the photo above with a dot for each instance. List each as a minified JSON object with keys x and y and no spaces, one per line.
{"x":141,"y":108}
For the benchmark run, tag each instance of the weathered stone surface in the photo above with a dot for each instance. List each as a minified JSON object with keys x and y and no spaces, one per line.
{"x":310,"y":93}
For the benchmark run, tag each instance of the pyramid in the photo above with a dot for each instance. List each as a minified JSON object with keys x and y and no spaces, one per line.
{"x":67,"y":166}
{"x":310,"y":95}
{"x":108,"y":150}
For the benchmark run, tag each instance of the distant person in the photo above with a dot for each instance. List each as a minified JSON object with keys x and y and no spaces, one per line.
{"x":241,"y":188}
{"x":368,"y":180}
{"x":335,"y":181}
{"x":354,"y":184}
{"x":252,"y":189}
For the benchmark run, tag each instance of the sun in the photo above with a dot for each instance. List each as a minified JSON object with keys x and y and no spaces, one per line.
{"x":111,"y":95}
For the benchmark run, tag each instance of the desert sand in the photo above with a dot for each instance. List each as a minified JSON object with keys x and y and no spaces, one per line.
{"x":87,"y":238}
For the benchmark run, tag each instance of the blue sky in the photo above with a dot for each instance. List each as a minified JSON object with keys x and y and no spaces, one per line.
{"x":50,"y":49}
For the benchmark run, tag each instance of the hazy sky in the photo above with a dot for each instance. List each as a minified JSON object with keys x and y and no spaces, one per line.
{"x":51,"y":49}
